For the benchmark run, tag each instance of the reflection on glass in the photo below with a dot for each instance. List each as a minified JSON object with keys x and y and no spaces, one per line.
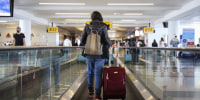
{"x":41,"y":74}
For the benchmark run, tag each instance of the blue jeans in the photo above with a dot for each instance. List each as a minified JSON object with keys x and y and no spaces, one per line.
{"x":95,"y":68}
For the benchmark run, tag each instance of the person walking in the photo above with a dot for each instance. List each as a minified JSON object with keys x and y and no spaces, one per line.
{"x":174,"y":42}
{"x":19,"y":38}
{"x":67,"y":42}
{"x":95,"y":63}
{"x":162,"y":44}
{"x":134,"y":51}
{"x":154,"y":44}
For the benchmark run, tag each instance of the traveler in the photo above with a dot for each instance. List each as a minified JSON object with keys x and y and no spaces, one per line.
{"x":154,"y":44}
{"x":127,"y":45}
{"x":113,"y":47}
{"x":134,"y":51}
{"x":95,"y":63}
{"x":162,"y":44}
{"x":67,"y":42}
{"x":77,"y":41}
{"x":174,"y":42}
{"x":19,"y":38}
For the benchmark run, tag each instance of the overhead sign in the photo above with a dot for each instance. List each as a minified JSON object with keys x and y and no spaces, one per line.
{"x":53,"y":29}
{"x":148,"y":29}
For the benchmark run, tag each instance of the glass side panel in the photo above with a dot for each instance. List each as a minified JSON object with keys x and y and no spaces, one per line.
{"x":168,"y":74}
{"x":43,"y":74}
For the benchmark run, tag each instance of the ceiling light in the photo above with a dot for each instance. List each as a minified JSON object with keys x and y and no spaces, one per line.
{"x":136,"y":14}
{"x":128,"y":20}
{"x":113,"y":31}
{"x":130,"y":4}
{"x":3,"y":21}
{"x":77,"y":20}
{"x":74,"y":4}
{"x":116,"y":13}
{"x":72,"y":13}
{"x":115,"y":24}
{"x":196,"y":22}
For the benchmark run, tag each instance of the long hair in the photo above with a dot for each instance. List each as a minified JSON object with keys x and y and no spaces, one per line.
{"x":96,"y":16}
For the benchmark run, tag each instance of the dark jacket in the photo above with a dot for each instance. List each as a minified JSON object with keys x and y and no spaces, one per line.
{"x":102,"y":31}
{"x":154,"y":44}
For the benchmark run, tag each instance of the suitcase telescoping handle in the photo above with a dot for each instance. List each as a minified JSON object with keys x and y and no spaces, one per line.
{"x":109,"y":62}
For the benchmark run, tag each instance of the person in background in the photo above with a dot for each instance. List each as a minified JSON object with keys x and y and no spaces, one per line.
{"x":154,"y":44}
{"x":95,"y":63}
{"x":19,"y":38}
{"x":162,"y":44}
{"x":77,"y":41}
{"x":113,"y":47}
{"x":198,"y":45}
{"x":67,"y":42}
{"x":174,"y":42}
{"x":134,"y":51}
{"x":127,"y":45}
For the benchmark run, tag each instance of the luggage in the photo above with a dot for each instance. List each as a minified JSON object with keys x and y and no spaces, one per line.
{"x":80,"y":58}
{"x":127,"y":58}
{"x":114,"y":85}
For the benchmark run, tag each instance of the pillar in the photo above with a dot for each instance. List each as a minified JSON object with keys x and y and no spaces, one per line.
{"x":25,"y":25}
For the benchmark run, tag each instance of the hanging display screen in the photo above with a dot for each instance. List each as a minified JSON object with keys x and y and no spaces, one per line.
{"x":6,"y":8}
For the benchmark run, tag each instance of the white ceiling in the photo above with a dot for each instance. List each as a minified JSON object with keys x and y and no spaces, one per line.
{"x":114,"y":14}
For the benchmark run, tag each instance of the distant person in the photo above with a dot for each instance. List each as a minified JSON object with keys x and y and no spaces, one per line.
{"x":19,"y":38}
{"x":67,"y":42}
{"x":134,"y":51}
{"x":77,"y":41}
{"x":154,"y":44}
{"x":198,"y":45}
{"x":113,"y":47}
{"x":162,"y":44}
{"x":174,"y":42}
{"x":127,"y":45}
{"x":95,"y":63}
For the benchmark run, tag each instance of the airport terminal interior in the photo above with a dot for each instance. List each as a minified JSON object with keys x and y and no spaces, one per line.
{"x":155,"y":41}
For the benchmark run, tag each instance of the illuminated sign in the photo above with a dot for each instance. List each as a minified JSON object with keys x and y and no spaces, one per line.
{"x":148,"y":29}
{"x":53,"y":29}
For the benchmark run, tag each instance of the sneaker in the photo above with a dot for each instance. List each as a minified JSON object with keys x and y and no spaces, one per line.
{"x":91,"y":95}
{"x":98,"y":97}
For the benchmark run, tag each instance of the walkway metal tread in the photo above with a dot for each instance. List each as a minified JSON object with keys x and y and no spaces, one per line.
{"x":129,"y":94}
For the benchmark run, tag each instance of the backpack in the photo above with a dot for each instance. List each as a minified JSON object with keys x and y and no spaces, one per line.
{"x":93,"y":44}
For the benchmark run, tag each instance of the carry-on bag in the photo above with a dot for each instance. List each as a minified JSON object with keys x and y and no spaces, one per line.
{"x":80,"y":58}
{"x":127,"y":58}
{"x":114,"y":83}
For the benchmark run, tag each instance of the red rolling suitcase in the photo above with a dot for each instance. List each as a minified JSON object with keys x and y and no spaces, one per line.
{"x":114,"y":86}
